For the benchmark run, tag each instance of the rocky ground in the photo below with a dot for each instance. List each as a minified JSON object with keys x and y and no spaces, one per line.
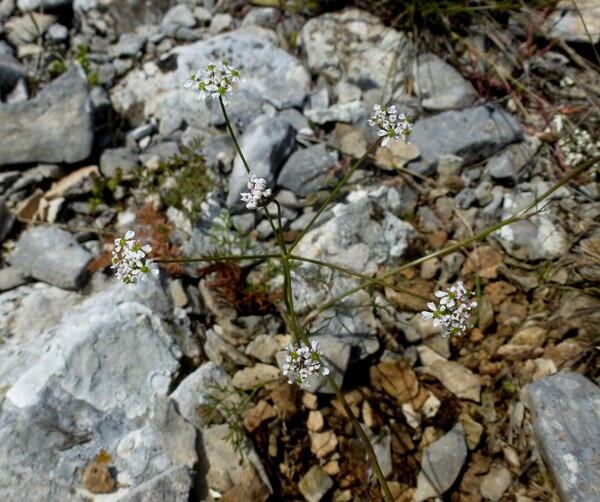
{"x":174,"y":391}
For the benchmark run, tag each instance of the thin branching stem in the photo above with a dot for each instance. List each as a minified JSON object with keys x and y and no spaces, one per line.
{"x":232,"y":134}
{"x":372,"y":280}
{"x":277,"y":230}
{"x":219,"y":258}
{"x":363,"y":436}
{"x":455,"y":247}
{"x":289,"y":300}
{"x":286,"y":256}
{"x":334,"y":193}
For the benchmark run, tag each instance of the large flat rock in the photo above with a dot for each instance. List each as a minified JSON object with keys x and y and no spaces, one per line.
{"x":51,"y":255}
{"x":57,"y":125}
{"x":566,"y":412}
{"x":473,"y":134}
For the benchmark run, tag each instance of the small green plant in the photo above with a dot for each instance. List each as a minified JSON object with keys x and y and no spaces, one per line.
{"x":81,"y":56}
{"x":232,"y":405}
{"x":103,"y":189}
{"x":226,"y":237}
{"x":58,"y":67}
{"x":508,"y":386}
{"x":182,"y":181}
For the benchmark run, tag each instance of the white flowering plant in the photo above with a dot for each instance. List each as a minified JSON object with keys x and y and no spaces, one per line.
{"x":259,"y":194}
{"x":391,"y":124}
{"x":452,"y":310}
{"x":215,"y":80}
{"x":130,"y":259}
{"x":303,"y":361}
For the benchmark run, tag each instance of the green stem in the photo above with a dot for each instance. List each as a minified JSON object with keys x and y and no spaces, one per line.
{"x":334,"y":193}
{"x":363,"y":436}
{"x":277,"y":233}
{"x":218,"y":258}
{"x":232,"y":134}
{"x":455,"y":247}
{"x":288,"y":296}
{"x":372,"y":280}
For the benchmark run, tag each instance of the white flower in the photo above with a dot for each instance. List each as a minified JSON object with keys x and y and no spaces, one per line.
{"x":391,"y":124}
{"x":130,"y":260}
{"x":302,"y":361}
{"x":216,"y":80}
{"x":259,"y":194}
{"x":454,"y":310}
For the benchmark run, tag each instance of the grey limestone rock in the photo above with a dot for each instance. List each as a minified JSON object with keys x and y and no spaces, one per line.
{"x":27,"y":316}
{"x":266,"y":143}
{"x":501,"y":168}
{"x":100,"y":381}
{"x":262,"y":16}
{"x":350,"y":112}
{"x":271,"y":74}
{"x":10,"y":278}
{"x":566,"y":412}
{"x":178,"y":18}
{"x":306,"y":170}
{"x":315,"y":484}
{"x":11,"y":71}
{"x":51,"y":255}
{"x":506,"y":166}
{"x":357,"y":46}
{"x":121,"y":159}
{"x":441,"y":464}
{"x":225,"y":469}
{"x":180,"y":15}
{"x":119,"y":16}
{"x":196,"y":389}
{"x":173,"y":485}
{"x":495,"y":483}
{"x":439,"y":86}
{"x":58,"y":33}
{"x":466,"y":198}
{"x":129,"y":45}
{"x":473,"y":134}
{"x":533,"y":238}
{"x":578,"y":24}
{"x":363,"y":229}
{"x":222,"y":21}
{"x":55,"y":126}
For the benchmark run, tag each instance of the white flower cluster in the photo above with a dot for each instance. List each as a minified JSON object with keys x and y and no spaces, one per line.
{"x":131,"y":261}
{"x":454,"y":310}
{"x":216,"y":80}
{"x":302,"y":361}
{"x":392,"y":125}
{"x":259,"y":194}
{"x":575,"y":143}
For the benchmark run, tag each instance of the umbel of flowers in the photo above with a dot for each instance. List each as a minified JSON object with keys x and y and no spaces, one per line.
{"x":130,"y":259}
{"x":216,"y":80}
{"x":454,"y":310}
{"x":259,"y":194}
{"x":391,"y":124}
{"x":303,"y":361}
